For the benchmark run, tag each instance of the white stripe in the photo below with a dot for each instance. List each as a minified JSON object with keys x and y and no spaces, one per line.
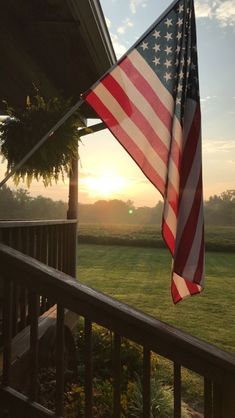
{"x":177,"y":132}
{"x":165,"y":97}
{"x":170,"y":218}
{"x":142,"y":105}
{"x":132,"y":130}
{"x":193,"y":258}
{"x":141,"y":65}
{"x":173,"y":175}
{"x":180,"y":285}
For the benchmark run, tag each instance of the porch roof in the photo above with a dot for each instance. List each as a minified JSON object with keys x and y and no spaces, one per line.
{"x":61,"y":46}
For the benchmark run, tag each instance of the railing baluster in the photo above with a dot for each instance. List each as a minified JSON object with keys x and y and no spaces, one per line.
{"x":88,"y":369}
{"x":117,"y":376}
{"x":146,"y":382}
{"x":23,"y":307}
{"x":177,"y":390}
{"x":60,"y":361}
{"x":33,"y":318}
{"x":207,"y":399}
{"x":7,"y":330}
{"x":217,"y":401}
{"x":15,"y":309}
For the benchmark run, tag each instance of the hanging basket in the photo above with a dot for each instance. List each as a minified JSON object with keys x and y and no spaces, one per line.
{"x":25,"y":127}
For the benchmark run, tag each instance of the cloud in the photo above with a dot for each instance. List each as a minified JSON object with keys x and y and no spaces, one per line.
{"x":225,"y":13}
{"x":119,"y":48}
{"x":135,"y":3}
{"x":127,"y":23}
{"x":203,"y":9}
{"x":222,"y":11}
{"x":218,"y":146}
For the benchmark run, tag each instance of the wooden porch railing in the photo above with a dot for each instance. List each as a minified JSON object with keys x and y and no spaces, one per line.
{"x":51,"y":242}
{"x":216,"y":366}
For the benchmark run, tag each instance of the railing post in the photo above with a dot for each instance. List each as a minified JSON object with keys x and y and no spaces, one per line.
{"x":228,"y":400}
{"x":73,"y":214}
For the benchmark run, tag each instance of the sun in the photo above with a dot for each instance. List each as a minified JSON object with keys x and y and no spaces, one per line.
{"x":105,"y":185}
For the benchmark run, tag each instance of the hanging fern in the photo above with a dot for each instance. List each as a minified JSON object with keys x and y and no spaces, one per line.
{"x":26,"y":126}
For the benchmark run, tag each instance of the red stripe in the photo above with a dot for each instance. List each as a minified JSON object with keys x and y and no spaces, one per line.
{"x":172,"y":197}
{"x":146,"y":90}
{"x":168,"y":236}
{"x":192,"y":287}
{"x":174,"y":292}
{"x":125,"y":140}
{"x":136,"y":116}
{"x":198,"y":276}
{"x":188,"y":234}
{"x":190,"y":148}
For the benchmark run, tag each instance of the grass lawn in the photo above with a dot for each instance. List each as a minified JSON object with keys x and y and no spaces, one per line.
{"x":141,"y":278}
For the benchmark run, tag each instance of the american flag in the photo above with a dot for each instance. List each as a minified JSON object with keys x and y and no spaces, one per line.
{"x":150,"y":102}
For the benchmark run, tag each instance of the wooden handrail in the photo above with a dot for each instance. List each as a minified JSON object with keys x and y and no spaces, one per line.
{"x":20,"y":223}
{"x":166,"y":340}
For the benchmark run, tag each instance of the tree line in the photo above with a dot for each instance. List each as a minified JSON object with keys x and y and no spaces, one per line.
{"x":219,"y":209}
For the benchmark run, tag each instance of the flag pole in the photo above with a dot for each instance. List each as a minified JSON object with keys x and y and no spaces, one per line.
{"x":42,"y":140}
{"x":81,"y":100}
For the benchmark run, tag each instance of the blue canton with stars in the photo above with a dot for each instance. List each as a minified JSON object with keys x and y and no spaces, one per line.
{"x":170,"y":50}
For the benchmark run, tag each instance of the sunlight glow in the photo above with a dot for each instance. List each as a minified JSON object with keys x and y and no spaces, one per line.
{"x":105,"y":185}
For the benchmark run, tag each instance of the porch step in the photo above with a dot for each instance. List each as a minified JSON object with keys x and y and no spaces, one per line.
{"x":46,"y":337}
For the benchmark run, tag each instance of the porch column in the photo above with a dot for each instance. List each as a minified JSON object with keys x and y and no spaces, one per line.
{"x":73,"y":212}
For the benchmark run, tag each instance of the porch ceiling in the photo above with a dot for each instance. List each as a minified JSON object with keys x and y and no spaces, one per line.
{"x":61,"y":46}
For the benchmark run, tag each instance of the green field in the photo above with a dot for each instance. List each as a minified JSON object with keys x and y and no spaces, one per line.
{"x":219,"y":238}
{"x":141,"y":277}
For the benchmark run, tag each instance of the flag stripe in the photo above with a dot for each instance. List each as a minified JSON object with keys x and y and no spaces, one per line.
{"x":187,"y":194}
{"x":195,"y":250}
{"x":168,"y":236}
{"x":113,"y":85}
{"x":152,"y":79}
{"x":132,"y":131}
{"x":185,"y":243}
{"x":142,"y":85}
{"x":125,"y":140}
{"x":190,"y":148}
{"x":144,"y":105}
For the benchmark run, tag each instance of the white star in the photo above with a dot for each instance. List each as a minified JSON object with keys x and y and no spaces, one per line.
{"x":156,"y":47}
{"x":180,"y":88}
{"x":189,"y":60}
{"x":168,"y":36}
{"x":168,"y":22}
{"x":179,"y":35}
{"x":168,"y":63}
{"x":179,"y":22}
{"x":181,"y":75}
{"x":188,"y":10}
{"x":177,"y":49}
{"x":167,"y":76}
{"x":183,"y":61}
{"x":144,"y":45}
{"x":156,"y":61}
{"x":181,"y":8}
{"x":168,"y":50}
{"x":178,"y":101}
{"x":195,"y":48}
{"x":176,"y":62}
{"x":193,"y":66}
{"x":156,"y":34}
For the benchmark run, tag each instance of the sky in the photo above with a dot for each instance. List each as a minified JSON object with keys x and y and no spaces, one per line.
{"x":106,"y":171}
